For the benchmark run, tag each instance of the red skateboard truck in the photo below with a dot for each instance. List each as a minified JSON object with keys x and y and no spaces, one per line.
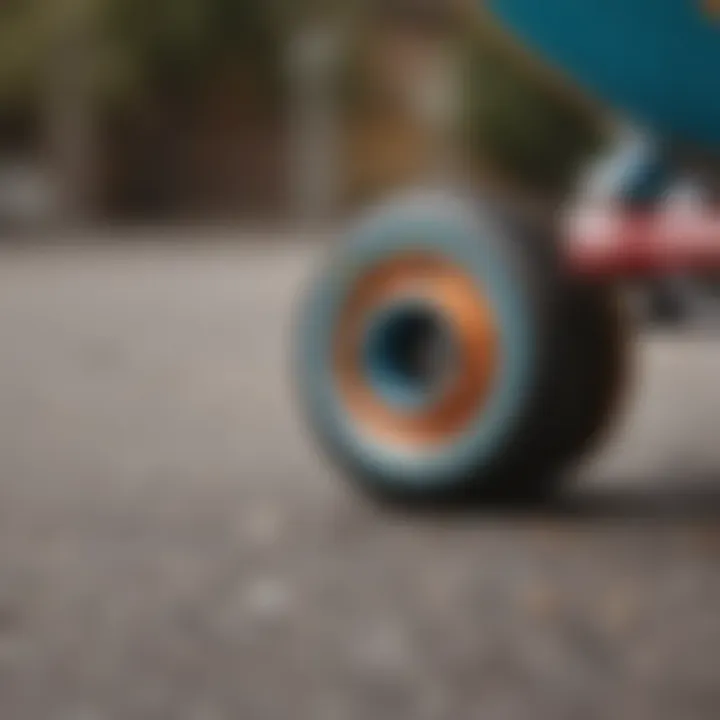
{"x":608,"y":243}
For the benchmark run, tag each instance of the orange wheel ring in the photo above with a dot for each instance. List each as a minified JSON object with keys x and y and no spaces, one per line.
{"x":453,"y":295}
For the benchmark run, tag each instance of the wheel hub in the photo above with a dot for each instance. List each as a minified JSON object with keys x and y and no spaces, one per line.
{"x":417,"y":351}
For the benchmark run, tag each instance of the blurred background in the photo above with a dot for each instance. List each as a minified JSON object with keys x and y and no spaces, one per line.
{"x":113,"y":112}
{"x":170,"y":545}
{"x":120,"y":110}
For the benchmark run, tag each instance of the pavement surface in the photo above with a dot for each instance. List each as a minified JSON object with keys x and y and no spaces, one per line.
{"x":171,"y":547}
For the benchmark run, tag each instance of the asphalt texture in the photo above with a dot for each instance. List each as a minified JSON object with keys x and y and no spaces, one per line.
{"x":172,"y":548}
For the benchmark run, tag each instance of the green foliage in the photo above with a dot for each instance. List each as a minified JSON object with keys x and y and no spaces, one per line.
{"x":139,"y":45}
{"x":177,"y":44}
{"x":139,"y":48}
{"x":25,"y":33}
{"x":526,"y":130}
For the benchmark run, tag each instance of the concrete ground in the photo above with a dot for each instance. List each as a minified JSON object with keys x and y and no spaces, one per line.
{"x":171,"y":548}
